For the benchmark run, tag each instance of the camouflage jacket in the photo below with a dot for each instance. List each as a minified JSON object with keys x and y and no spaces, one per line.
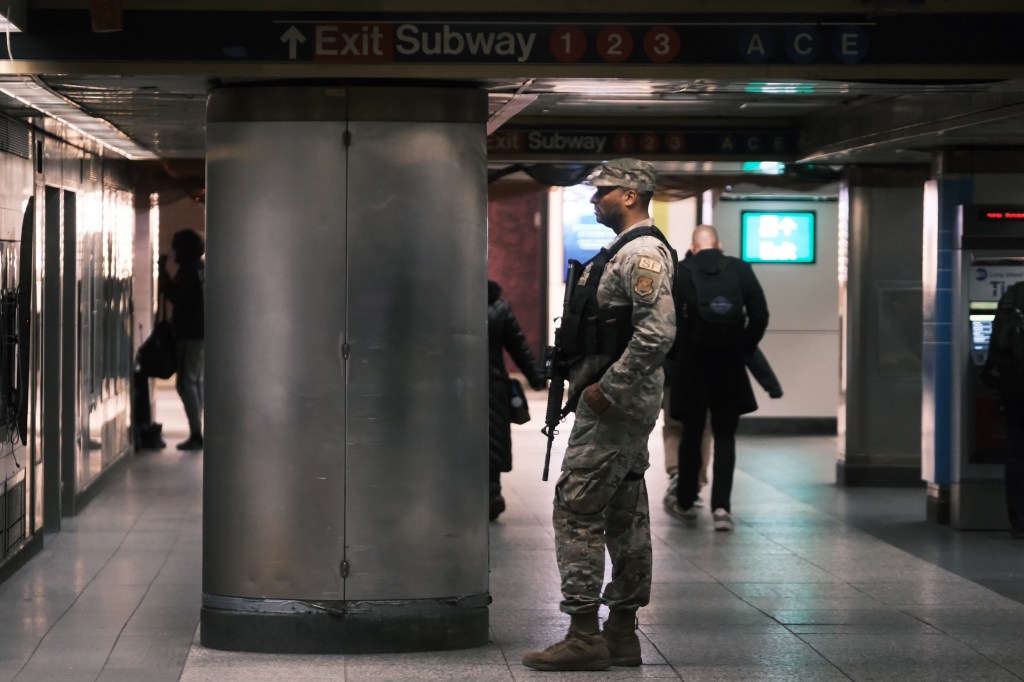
{"x":640,"y":274}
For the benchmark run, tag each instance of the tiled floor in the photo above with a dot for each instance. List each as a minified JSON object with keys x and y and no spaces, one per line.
{"x":816,"y":583}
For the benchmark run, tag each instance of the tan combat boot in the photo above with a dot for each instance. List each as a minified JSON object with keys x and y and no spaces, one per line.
{"x":621,"y":638}
{"x":583,"y":648}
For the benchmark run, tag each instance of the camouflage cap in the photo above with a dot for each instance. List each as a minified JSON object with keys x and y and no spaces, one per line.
{"x":629,"y":173}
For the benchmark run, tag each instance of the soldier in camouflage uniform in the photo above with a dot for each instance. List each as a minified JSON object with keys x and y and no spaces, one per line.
{"x":601,"y":497}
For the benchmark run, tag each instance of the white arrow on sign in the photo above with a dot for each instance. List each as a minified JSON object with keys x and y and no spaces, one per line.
{"x":293,"y":37}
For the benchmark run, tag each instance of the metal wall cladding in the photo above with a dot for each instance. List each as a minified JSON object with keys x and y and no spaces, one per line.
{"x":274,"y":480}
{"x":346,"y":359}
{"x":15,"y":189}
{"x":883,"y":324}
{"x":17,"y":468}
{"x":417,"y":436}
{"x":96,"y":324}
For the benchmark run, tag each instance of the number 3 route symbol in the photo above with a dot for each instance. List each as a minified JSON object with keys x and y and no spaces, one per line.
{"x":661,"y":44}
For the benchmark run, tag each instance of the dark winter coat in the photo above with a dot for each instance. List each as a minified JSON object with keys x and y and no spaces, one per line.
{"x":716,"y":379}
{"x":758,"y":365}
{"x":504,"y":333}
{"x":185,"y":292}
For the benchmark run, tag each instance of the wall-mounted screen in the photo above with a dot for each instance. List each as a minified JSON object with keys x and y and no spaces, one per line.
{"x":582,"y":235}
{"x":778,"y":236}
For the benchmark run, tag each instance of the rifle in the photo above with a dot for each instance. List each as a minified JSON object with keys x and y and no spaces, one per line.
{"x":556,"y":367}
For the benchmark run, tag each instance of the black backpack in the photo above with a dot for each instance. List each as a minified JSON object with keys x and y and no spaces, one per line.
{"x":1004,"y":365}
{"x":721,"y":317}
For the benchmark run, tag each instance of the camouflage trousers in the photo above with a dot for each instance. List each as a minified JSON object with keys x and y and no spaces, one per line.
{"x":601,"y":501}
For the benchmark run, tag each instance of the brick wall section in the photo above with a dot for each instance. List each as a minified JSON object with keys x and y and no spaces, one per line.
{"x":515,"y":255}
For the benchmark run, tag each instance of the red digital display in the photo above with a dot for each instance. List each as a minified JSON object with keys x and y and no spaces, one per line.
{"x":1004,"y":215}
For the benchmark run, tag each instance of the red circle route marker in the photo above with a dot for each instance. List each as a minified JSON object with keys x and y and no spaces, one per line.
{"x":675,"y":143}
{"x":568,"y":43}
{"x":661,"y":44}
{"x":614,"y":44}
{"x":622,"y":143}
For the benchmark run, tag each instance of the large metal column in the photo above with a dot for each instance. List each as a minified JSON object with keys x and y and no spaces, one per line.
{"x":880,"y":308}
{"x":346,"y":429}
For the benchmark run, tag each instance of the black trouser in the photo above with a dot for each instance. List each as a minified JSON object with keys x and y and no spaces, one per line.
{"x":143,"y":409}
{"x":495,"y":482}
{"x":723,"y":429}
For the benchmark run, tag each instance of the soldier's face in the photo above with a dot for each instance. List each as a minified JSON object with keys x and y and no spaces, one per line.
{"x":608,"y":207}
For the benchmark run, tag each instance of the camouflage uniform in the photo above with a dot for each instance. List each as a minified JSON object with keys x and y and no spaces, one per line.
{"x":601,"y":497}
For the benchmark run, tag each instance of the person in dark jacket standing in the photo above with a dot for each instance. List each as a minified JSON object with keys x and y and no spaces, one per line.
{"x":1003,"y":371}
{"x":185,"y":291}
{"x":712,"y":377}
{"x":504,"y":333}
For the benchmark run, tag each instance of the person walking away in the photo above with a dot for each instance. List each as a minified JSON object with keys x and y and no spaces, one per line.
{"x":671,"y":437}
{"x":185,"y":291}
{"x":672,"y":428}
{"x":621,"y":325}
{"x":723,"y":315}
{"x":504,"y":333}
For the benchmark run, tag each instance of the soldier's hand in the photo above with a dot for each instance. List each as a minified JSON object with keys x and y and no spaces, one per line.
{"x":594,"y":399}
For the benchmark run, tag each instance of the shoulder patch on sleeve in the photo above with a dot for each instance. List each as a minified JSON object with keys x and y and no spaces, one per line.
{"x":644,"y":285}
{"x":649,"y":264}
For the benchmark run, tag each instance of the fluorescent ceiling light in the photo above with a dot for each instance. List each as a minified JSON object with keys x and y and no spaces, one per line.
{"x":764,"y":167}
{"x":598,"y":87}
{"x":37,"y":96}
{"x":781,"y":88}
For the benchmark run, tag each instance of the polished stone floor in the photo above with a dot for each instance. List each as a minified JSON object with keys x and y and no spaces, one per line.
{"x":815,"y":583}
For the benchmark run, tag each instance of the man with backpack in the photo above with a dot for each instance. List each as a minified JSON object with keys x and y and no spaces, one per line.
{"x":1004,"y":371}
{"x":722,"y":316}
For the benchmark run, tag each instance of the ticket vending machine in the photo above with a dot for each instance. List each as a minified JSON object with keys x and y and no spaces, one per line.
{"x":989,"y":259}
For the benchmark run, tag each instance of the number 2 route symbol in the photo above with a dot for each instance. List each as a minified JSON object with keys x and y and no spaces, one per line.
{"x":614,"y":44}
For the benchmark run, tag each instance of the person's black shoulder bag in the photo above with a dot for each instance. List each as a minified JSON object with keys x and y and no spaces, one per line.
{"x":158,"y":354}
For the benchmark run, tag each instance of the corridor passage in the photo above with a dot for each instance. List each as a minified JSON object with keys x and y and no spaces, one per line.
{"x":816,"y":583}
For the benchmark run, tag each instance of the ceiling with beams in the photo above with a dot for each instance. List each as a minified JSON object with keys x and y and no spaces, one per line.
{"x":166,"y":114}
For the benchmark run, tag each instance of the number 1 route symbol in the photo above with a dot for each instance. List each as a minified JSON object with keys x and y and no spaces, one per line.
{"x":293,"y":37}
{"x":568,"y":43}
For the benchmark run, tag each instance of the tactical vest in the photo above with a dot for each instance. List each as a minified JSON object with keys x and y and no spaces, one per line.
{"x":590,"y":329}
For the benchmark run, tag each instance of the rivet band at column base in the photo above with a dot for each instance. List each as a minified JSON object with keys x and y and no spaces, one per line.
{"x":341,"y":627}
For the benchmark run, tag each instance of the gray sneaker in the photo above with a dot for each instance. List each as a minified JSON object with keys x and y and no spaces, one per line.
{"x":687,"y":516}
{"x":723,"y":520}
{"x":670,"y":494}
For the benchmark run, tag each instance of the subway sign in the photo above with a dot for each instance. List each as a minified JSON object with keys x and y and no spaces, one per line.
{"x":511,"y":143}
{"x":565,"y":43}
{"x":484,"y":38}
